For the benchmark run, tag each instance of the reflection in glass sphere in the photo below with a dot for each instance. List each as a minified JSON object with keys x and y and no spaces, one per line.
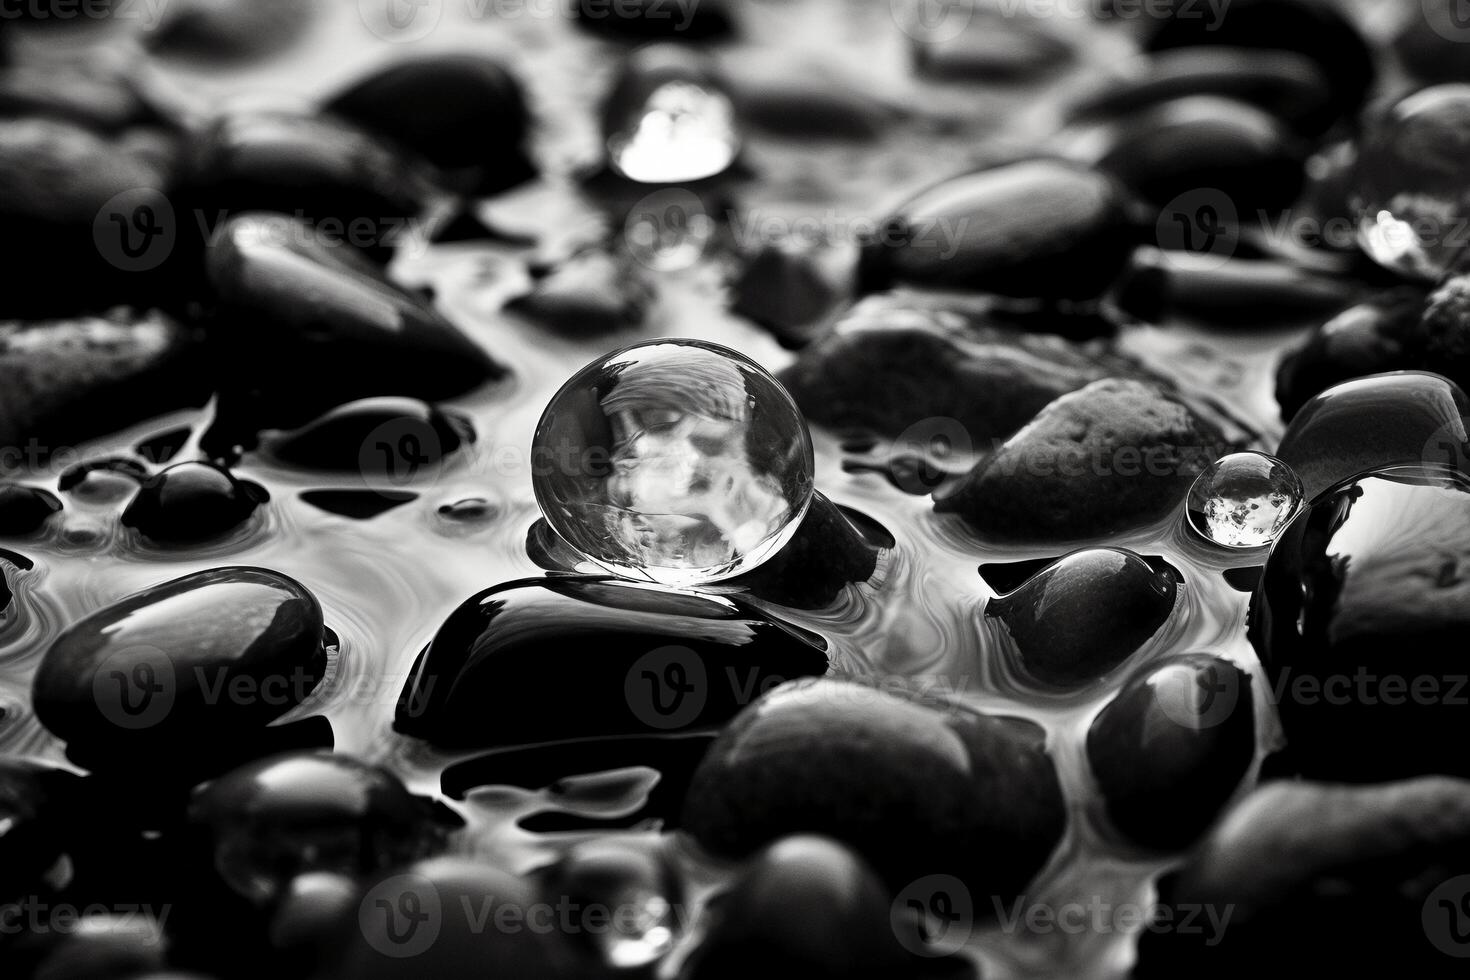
{"x":674,"y":461}
{"x":1244,"y":500}
{"x":1412,"y":192}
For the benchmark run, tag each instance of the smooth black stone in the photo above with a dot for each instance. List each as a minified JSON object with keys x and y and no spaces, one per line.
{"x":1181,"y":146}
{"x":308,"y":325}
{"x":1172,"y":748}
{"x":896,"y":364}
{"x":915,"y":791}
{"x":1082,"y":616}
{"x":538,"y":660}
{"x":806,"y":906}
{"x":271,"y":820}
{"x":628,"y":872}
{"x":389,"y":939}
{"x":1067,"y":477}
{"x":24,"y":509}
{"x":165,"y":445}
{"x":360,"y":505}
{"x":1315,"y":28}
{"x":590,"y":294}
{"x":1384,"y":419}
{"x":654,"y":20}
{"x":1289,"y":86}
{"x":350,"y":187}
{"x":70,"y":380}
{"x":1360,"y":867}
{"x":795,"y":99}
{"x":1359,"y":620}
{"x":1008,"y":576}
{"x":385,"y":436}
{"x":1043,"y":229}
{"x":37,"y":816}
{"x":182,"y":671}
{"x":990,"y":46}
{"x":70,"y":197}
{"x":1372,"y":337}
{"x":786,"y":292}
{"x":303,"y":930}
{"x":192,"y":502}
{"x":533,"y":767}
{"x":1245,"y":578}
{"x":1242,"y":293}
{"x":464,"y":113}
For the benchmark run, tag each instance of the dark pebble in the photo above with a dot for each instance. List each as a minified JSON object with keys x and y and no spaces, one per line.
{"x":1170,"y":750}
{"x":24,"y":509}
{"x":991,"y":45}
{"x":308,"y":326}
{"x":387,"y":436}
{"x":1359,"y":620}
{"x":788,"y":292}
{"x":37,"y":813}
{"x":914,"y":790}
{"x":1043,"y":229}
{"x":71,"y":380}
{"x":1205,"y":142}
{"x":192,"y":502}
{"x":351,"y":187}
{"x":898,"y":365}
{"x":1318,"y":29}
{"x":464,"y":113}
{"x":271,"y":820}
{"x":1115,"y":455}
{"x":628,"y":879}
{"x":806,"y":906}
{"x":182,"y":670}
{"x":1078,"y":618}
{"x":1289,"y":86}
{"x":590,"y":294}
{"x":654,"y":20}
{"x":1243,"y":293}
{"x":1372,"y":337}
{"x":1371,"y":871}
{"x":646,"y":659}
{"x":812,"y":569}
{"x":800,"y":100}
{"x":360,"y":505}
{"x":1380,"y":420}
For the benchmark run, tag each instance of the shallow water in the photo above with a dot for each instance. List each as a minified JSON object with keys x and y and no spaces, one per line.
{"x":387,"y":583}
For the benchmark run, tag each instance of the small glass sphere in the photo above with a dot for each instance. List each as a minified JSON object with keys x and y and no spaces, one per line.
{"x":1411,"y":190}
{"x":1244,"y":500}
{"x":669,"y":119}
{"x":674,"y":461}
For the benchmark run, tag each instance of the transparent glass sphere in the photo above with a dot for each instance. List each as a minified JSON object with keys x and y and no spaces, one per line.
{"x":1411,"y":189}
{"x":1244,"y":500}
{"x":673,"y":461}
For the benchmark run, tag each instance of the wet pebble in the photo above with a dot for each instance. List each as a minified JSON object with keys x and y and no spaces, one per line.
{"x":387,"y":436}
{"x":1290,"y":86}
{"x":1080,"y":617}
{"x":359,"y":505}
{"x":1357,"y":620}
{"x":655,"y":20}
{"x":1372,"y":337}
{"x":192,"y":502}
{"x":183,"y":672}
{"x":788,"y":291}
{"x":914,"y":789}
{"x":1379,"y":420}
{"x":1007,"y":230}
{"x":464,"y":113}
{"x":221,"y":30}
{"x":1114,"y":455}
{"x":807,"y":100}
{"x":37,"y":811}
{"x":649,"y":658}
{"x":294,"y":311}
{"x":1219,"y":290}
{"x":349,"y":187}
{"x":1374,"y":871}
{"x":1172,"y":748}
{"x":1204,"y":144}
{"x":269,"y":821}
{"x":920,"y":368}
{"x":24,"y":509}
{"x":590,"y":294}
{"x":74,"y":379}
{"x":629,"y":880}
{"x":806,"y":906}
{"x":811,"y":570}
{"x":980,"y":44}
